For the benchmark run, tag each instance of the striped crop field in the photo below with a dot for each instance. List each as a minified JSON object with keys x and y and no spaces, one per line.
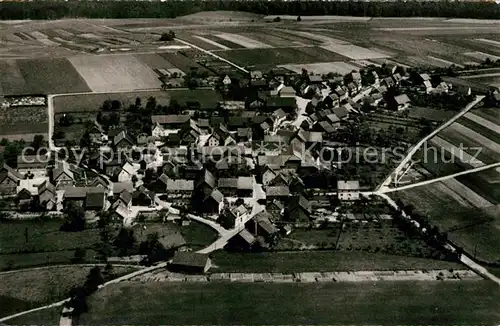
{"x":244,"y":41}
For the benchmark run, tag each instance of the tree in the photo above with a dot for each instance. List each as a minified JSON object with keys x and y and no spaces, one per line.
{"x":108,"y":270}
{"x":79,"y":255}
{"x":37,"y":142}
{"x":94,"y":279}
{"x":169,"y":36}
{"x":74,"y":216}
{"x":125,"y":241}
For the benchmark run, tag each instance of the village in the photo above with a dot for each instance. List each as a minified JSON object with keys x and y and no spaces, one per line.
{"x":255,"y":168}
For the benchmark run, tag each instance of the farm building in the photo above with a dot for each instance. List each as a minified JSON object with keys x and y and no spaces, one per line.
{"x":348,"y":190}
{"x":475,"y":87}
{"x":190,"y":262}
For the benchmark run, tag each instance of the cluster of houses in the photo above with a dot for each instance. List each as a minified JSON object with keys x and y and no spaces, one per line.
{"x":264,"y":149}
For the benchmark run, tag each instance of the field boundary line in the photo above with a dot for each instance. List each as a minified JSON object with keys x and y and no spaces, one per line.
{"x":427,"y":182}
{"x":213,"y":55}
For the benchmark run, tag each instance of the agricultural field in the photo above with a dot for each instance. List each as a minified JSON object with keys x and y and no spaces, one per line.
{"x":216,"y":303}
{"x":279,"y":56}
{"x":460,"y":208}
{"x":321,"y":261}
{"x":27,"y":289}
{"x":92,"y":102}
{"x":120,"y":73}
{"x":323,"y":68}
{"x":31,"y":243}
{"x":40,"y":76}
{"x":23,"y":122}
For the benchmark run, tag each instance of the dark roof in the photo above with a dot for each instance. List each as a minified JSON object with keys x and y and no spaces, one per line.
{"x":125,"y":196}
{"x":95,"y":200}
{"x":32,"y":161}
{"x":191,"y":259}
{"x":12,"y":171}
{"x":341,"y":112}
{"x":207,"y":178}
{"x":216,"y":195}
{"x":46,"y":185}
{"x":281,"y":102}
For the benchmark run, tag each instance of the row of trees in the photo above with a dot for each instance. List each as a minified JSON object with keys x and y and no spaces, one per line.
{"x":170,"y":9}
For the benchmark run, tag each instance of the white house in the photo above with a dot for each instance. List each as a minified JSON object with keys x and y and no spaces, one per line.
{"x":348,"y":190}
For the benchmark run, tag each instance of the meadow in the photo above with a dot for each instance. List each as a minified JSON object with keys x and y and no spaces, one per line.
{"x":388,"y":303}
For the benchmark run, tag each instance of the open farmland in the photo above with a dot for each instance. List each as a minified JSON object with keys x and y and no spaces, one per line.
{"x":23,"y":122}
{"x":184,"y":63}
{"x":115,"y":73}
{"x":40,"y":76}
{"x":216,"y":303}
{"x":339,"y":67}
{"x":242,"y":40}
{"x":279,"y":56}
{"x":154,"y":61}
{"x":87,"y":103}
{"x":33,"y":288}
{"x":92,"y":102}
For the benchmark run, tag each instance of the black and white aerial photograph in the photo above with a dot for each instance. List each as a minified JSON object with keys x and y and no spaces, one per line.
{"x":249,"y":162}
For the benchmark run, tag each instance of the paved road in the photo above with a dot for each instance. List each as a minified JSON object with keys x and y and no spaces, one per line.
{"x":385,"y":184}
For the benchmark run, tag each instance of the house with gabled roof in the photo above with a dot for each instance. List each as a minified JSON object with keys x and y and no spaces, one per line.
{"x":124,"y":173}
{"x":47,"y":196}
{"x":261,"y":225}
{"x":143,"y":197}
{"x":9,"y":180}
{"x":398,"y":103}
{"x":213,"y":202}
{"x":123,"y":140}
{"x":299,"y":209}
{"x":62,"y":176}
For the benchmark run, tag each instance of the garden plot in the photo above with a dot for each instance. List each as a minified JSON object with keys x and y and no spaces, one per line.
{"x":322,"y":68}
{"x":481,"y":56}
{"x":457,"y":152}
{"x":115,"y":73}
{"x":206,"y":40}
{"x":242,"y":40}
{"x":484,"y":122}
{"x":354,"y":52}
{"x":466,"y":193}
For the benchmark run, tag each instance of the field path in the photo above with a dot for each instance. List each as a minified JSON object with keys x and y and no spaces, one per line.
{"x":213,"y":55}
{"x":395,"y":173}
